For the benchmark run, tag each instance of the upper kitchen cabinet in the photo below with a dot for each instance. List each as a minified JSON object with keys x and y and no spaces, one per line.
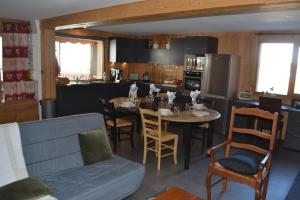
{"x":137,"y":50}
{"x":191,"y":45}
{"x":142,"y":54}
{"x":177,"y":51}
{"x":128,"y":50}
{"x":121,"y":50}
{"x":159,"y":56}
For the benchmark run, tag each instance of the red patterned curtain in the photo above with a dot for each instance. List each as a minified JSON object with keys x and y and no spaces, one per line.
{"x":17,"y":61}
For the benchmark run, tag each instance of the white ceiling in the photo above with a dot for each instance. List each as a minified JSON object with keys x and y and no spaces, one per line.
{"x":266,"y":21}
{"x":41,"y":9}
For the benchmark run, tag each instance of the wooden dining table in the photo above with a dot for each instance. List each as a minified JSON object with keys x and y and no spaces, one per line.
{"x":185,"y":118}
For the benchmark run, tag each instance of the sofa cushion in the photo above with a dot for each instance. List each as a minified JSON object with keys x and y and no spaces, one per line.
{"x":28,"y":188}
{"x":94,"y":146}
{"x":112,"y":179}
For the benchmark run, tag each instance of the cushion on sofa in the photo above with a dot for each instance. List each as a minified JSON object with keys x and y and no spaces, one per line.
{"x":111,"y":179}
{"x":94,"y":146}
{"x":28,"y":188}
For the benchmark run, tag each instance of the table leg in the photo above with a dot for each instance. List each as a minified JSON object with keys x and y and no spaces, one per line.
{"x":210,"y":134}
{"x":114,"y":134}
{"x":187,"y":144}
{"x":138,"y":124}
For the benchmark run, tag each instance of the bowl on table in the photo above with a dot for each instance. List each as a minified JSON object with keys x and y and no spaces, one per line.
{"x":165,"y":112}
{"x":200,"y":113}
{"x":127,"y":104}
{"x":198,"y":106}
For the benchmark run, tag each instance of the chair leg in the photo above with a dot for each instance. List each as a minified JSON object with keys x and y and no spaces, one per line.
{"x":265,"y":189}
{"x":145,"y":150}
{"x":203,"y":141}
{"x":119,"y":134}
{"x":156,"y":148}
{"x":175,"y":150}
{"x":224,"y":185}
{"x":114,"y":133}
{"x":131,"y":136}
{"x":208,"y":184}
{"x":159,"y":155}
{"x":258,"y":192}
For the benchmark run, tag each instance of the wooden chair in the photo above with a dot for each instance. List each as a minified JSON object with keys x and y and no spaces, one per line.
{"x":115,"y":122}
{"x":252,"y":168}
{"x":200,"y":132}
{"x":272,"y":105}
{"x":155,"y":139}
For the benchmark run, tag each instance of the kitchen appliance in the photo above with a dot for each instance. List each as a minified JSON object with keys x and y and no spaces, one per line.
{"x":193,"y":80}
{"x":245,"y":95}
{"x":194,"y":62}
{"x":133,"y":77}
{"x":193,"y":72}
{"x":220,"y":83}
{"x":115,"y":74}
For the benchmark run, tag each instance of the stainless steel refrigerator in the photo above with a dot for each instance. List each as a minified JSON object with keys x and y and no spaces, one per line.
{"x":221,"y":82}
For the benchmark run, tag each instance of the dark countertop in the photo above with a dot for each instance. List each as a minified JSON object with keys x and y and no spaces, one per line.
{"x":255,"y":103}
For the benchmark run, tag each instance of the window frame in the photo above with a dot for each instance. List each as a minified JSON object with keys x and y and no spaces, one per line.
{"x":281,"y":38}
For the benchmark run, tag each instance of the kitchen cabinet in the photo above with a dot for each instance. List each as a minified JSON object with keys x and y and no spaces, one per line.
{"x":121,"y":50}
{"x":141,"y":54}
{"x":134,"y":50}
{"x":159,"y":56}
{"x":177,"y":51}
{"x":292,"y":137}
{"x":199,"y":45}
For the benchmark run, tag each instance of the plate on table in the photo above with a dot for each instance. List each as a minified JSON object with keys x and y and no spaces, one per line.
{"x":127,"y":104}
{"x":199,"y":106}
{"x":165,"y":112}
{"x":200,"y":113}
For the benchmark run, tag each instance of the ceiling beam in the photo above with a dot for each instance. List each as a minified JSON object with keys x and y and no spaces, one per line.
{"x":151,"y":10}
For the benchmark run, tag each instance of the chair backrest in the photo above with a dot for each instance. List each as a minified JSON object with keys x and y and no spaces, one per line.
{"x":270,"y":104}
{"x":151,"y":121}
{"x":209,"y":103}
{"x":108,"y":109}
{"x":257,"y":113}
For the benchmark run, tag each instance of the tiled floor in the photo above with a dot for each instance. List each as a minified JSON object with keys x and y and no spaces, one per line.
{"x":286,"y":164}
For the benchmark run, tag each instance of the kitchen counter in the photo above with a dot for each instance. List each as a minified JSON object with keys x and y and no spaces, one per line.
{"x":255,"y":103}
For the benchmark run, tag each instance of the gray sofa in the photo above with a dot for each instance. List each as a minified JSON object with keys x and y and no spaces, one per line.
{"x":52,"y":153}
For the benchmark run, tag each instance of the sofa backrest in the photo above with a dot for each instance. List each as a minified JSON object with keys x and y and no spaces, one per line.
{"x":52,"y":145}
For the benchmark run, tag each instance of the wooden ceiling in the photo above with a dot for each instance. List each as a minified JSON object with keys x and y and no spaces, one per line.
{"x":151,"y":10}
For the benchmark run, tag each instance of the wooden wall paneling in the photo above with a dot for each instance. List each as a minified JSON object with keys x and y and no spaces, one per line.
{"x":164,"y":9}
{"x":48,"y":57}
{"x":19,"y":111}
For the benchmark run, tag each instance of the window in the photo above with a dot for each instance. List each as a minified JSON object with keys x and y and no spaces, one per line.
{"x":297,"y":84}
{"x":274,"y":68}
{"x":80,"y":60}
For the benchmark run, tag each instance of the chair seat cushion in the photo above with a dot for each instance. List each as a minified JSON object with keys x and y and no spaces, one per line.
{"x":246,"y":164}
{"x":166,"y":136}
{"x":120,"y":122}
